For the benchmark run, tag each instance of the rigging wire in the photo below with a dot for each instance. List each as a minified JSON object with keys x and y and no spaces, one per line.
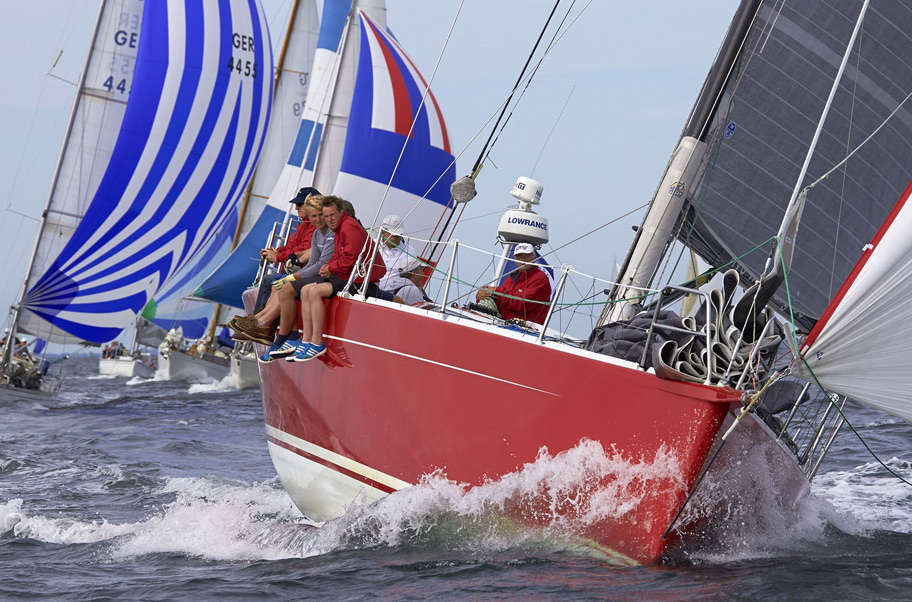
{"x":482,"y":156}
{"x":554,"y":127}
{"x":485,"y":149}
{"x":529,"y":79}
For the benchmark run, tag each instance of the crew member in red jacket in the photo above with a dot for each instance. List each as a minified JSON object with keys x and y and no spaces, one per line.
{"x":350,"y":240}
{"x":298,"y":243}
{"x":525,"y":293}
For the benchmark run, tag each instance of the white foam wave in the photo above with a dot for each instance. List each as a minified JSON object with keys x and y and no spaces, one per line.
{"x":563,"y":494}
{"x":218,"y":520}
{"x":55,"y":530}
{"x":876,"y":498}
{"x":212,"y":519}
{"x":229,"y":383}
{"x":101,"y":377}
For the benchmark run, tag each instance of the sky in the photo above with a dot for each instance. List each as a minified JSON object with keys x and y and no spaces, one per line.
{"x":596,"y":125}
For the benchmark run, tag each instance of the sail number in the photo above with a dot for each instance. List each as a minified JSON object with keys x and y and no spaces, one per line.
{"x":241,"y":66}
{"x":111,"y":85}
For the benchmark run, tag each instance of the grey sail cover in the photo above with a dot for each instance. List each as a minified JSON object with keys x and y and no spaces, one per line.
{"x":761,"y":132}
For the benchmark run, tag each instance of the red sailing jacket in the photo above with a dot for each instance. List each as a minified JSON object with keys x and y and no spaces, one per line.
{"x":350,"y":237}
{"x":531,"y":285}
{"x":298,"y":241}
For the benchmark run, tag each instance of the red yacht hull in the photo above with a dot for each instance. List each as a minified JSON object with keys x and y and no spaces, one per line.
{"x":404,"y":392}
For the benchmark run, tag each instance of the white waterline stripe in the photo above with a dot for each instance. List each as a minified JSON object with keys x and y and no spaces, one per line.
{"x":334,"y":458}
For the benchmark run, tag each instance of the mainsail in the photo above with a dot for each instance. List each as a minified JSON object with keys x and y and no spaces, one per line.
{"x":168,"y":124}
{"x":760,"y":132}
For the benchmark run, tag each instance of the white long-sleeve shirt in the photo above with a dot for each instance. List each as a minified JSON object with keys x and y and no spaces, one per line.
{"x":395,"y":259}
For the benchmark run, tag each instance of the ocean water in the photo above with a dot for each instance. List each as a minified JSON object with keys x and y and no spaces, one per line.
{"x":151,"y":490}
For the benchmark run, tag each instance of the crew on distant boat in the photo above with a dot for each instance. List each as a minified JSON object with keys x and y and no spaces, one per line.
{"x":287,"y":290}
{"x":113,"y":350}
{"x":524,"y":294}
{"x":396,"y":253}
{"x":350,"y":240}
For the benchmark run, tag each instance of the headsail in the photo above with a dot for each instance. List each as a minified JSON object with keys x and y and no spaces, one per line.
{"x":762,"y":129}
{"x":860,"y":347}
{"x":168,"y":156}
{"x":391,"y":132}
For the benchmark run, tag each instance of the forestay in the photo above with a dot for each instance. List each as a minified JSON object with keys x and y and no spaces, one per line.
{"x":762,"y":130}
{"x":167,"y":127}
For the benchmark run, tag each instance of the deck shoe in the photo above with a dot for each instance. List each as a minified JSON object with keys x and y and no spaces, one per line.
{"x":254,"y":329}
{"x":263,"y":339}
{"x":242,"y":321}
{"x":277,"y":351}
{"x":312,"y":352}
{"x":239,"y":336}
{"x":300,"y":350}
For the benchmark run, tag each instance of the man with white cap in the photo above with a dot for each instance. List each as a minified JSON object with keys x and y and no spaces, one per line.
{"x":525,"y":292}
{"x":396,"y":254}
{"x":412,"y":292}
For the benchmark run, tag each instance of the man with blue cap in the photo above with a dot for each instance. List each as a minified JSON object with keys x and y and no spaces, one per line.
{"x":298,"y":244}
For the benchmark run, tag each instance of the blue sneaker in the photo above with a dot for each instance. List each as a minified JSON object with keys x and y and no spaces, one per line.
{"x":300,"y":350}
{"x":312,"y":352}
{"x":277,"y":351}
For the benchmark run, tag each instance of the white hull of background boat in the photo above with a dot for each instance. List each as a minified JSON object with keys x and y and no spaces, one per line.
{"x":178,"y":365}
{"x":245,"y":371}
{"x":10,"y":395}
{"x":125,"y":366}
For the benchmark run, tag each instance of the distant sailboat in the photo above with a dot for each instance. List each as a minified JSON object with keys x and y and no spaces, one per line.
{"x":165,"y":130}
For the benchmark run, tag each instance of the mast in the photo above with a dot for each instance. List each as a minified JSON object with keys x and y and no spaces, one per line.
{"x":7,"y":352}
{"x":245,"y":201}
{"x":655,"y":233}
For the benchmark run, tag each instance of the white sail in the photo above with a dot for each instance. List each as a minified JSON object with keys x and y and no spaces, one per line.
{"x":288,"y":106}
{"x":860,"y":347}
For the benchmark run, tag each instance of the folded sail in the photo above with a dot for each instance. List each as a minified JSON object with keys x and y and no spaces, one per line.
{"x":156,"y":162}
{"x":860,"y":347}
{"x":762,"y":129}
{"x":318,"y":132}
{"x":392,"y":135}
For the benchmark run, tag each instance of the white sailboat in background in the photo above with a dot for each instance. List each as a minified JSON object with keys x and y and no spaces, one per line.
{"x":161,"y":141}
